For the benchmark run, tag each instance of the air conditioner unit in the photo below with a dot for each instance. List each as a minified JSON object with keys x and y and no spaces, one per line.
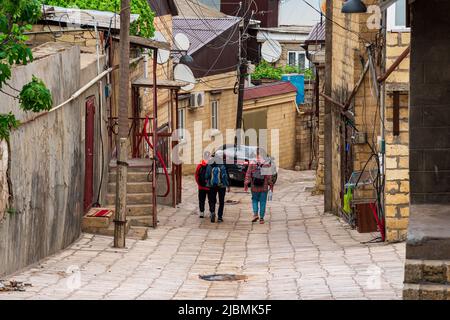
{"x":197,"y":100}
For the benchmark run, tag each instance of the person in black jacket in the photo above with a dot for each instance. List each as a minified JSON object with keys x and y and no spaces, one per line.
{"x":218,"y":184}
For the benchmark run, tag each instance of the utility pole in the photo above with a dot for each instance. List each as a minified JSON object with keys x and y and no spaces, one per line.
{"x":120,"y":218}
{"x":243,"y":67}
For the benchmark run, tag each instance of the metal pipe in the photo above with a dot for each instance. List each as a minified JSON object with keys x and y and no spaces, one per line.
{"x":155,"y":135}
{"x":82,"y":89}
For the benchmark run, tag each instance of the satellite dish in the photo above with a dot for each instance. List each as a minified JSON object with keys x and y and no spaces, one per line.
{"x":182,"y":42}
{"x":271,"y":51}
{"x":183,"y":73}
{"x":163,"y":55}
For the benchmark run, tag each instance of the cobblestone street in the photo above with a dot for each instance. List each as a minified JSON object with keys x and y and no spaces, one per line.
{"x":300,"y":253}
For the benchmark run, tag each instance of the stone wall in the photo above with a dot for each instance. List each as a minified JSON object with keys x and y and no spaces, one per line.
{"x":305,"y":136}
{"x":320,"y":138}
{"x":397,"y":150}
{"x":303,"y":139}
{"x":47,"y":162}
{"x":429,"y":113}
{"x":428,"y":242}
{"x":347,"y":50}
{"x":4,"y":188}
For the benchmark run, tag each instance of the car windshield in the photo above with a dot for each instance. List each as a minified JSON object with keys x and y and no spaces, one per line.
{"x":241,"y":152}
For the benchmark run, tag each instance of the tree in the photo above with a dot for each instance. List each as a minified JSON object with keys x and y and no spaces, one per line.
{"x":16,"y":17}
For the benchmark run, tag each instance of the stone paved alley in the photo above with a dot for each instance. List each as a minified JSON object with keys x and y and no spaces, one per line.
{"x":300,"y":253}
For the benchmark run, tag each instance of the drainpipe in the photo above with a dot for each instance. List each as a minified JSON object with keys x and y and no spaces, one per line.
{"x":100,"y":94}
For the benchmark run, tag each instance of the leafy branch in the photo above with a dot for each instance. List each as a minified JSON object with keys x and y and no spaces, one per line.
{"x":17,"y":17}
{"x":142,"y":27}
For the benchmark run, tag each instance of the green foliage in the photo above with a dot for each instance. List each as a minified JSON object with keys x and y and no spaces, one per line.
{"x":17,"y":17}
{"x":142,"y":27}
{"x":35,"y":96}
{"x":7,"y":122}
{"x":266,"y":71}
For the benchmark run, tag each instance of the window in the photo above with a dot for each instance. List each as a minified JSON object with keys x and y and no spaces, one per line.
{"x":181,"y":122}
{"x":396,"y":16}
{"x":215,"y":114}
{"x":298,"y":59}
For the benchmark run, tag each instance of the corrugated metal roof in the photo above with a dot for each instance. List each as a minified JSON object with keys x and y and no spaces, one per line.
{"x":202,"y":31}
{"x":82,"y":17}
{"x":317,"y":34}
{"x":270,"y":89}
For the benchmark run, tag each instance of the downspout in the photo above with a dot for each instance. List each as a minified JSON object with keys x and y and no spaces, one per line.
{"x":100,"y":94}
{"x":383,"y":115}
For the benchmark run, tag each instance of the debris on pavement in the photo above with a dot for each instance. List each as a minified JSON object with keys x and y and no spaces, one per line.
{"x":222,"y":277}
{"x":12,"y":285}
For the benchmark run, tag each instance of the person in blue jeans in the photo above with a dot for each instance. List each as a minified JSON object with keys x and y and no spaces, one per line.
{"x":260,"y":185}
{"x":218,"y":184}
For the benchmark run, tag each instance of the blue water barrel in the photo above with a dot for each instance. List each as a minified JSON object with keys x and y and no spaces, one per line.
{"x":298,"y":80}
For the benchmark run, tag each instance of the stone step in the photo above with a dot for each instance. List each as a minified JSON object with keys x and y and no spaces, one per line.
{"x":426,"y":291}
{"x":109,"y":231}
{"x":427,"y":271}
{"x":132,"y":187}
{"x":137,"y":233}
{"x":141,"y":221}
{"x":133,"y":169}
{"x":132,"y":198}
{"x":137,"y":209}
{"x":132,"y":176}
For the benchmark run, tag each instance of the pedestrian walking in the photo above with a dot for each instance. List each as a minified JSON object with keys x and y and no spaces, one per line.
{"x":259,"y":177}
{"x":200,"y":178}
{"x":218,"y":184}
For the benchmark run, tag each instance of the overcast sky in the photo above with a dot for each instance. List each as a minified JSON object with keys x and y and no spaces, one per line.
{"x":292,"y":12}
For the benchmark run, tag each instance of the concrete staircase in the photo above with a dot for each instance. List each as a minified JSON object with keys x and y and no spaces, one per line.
{"x":426,"y":280}
{"x":139,"y":203}
{"x":139,"y":193}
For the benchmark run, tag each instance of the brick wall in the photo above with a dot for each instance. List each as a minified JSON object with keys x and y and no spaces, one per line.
{"x":347,"y":50}
{"x":304,"y":144}
{"x":281,"y":115}
{"x":397,"y":146}
{"x":227,"y":115}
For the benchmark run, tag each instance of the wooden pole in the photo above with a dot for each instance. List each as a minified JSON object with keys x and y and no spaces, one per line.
{"x":120,"y":219}
{"x":243,"y":67}
{"x":124,"y":97}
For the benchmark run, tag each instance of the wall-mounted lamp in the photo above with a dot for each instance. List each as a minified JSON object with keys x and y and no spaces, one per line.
{"x":354,"y":6}
{"x":186,"y":59}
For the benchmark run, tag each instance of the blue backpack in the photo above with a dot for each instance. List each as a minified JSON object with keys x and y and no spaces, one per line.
{"x":215,"y":179}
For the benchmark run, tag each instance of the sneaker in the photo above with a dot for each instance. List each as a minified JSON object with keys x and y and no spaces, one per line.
{"x":202,"y":214}
{"x":213,"y":217}
{"x":255,"y":218}
{"x":220,"y":219}
{"x":261,"y":221}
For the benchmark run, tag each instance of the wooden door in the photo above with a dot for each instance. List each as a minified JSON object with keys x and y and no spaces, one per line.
{"x":89,"y":154}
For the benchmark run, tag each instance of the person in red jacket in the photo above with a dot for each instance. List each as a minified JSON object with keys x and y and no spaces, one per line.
{"x":203,"y":190}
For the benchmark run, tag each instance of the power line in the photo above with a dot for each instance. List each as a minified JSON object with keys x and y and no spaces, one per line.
{"x":336,"y":23}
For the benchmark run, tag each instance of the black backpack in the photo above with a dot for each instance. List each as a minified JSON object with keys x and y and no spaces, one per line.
{"x":257,"y":177}
{"x":202,"y":176}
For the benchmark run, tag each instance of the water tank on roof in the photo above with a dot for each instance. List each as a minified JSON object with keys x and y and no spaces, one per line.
{"x":298,"y":80}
